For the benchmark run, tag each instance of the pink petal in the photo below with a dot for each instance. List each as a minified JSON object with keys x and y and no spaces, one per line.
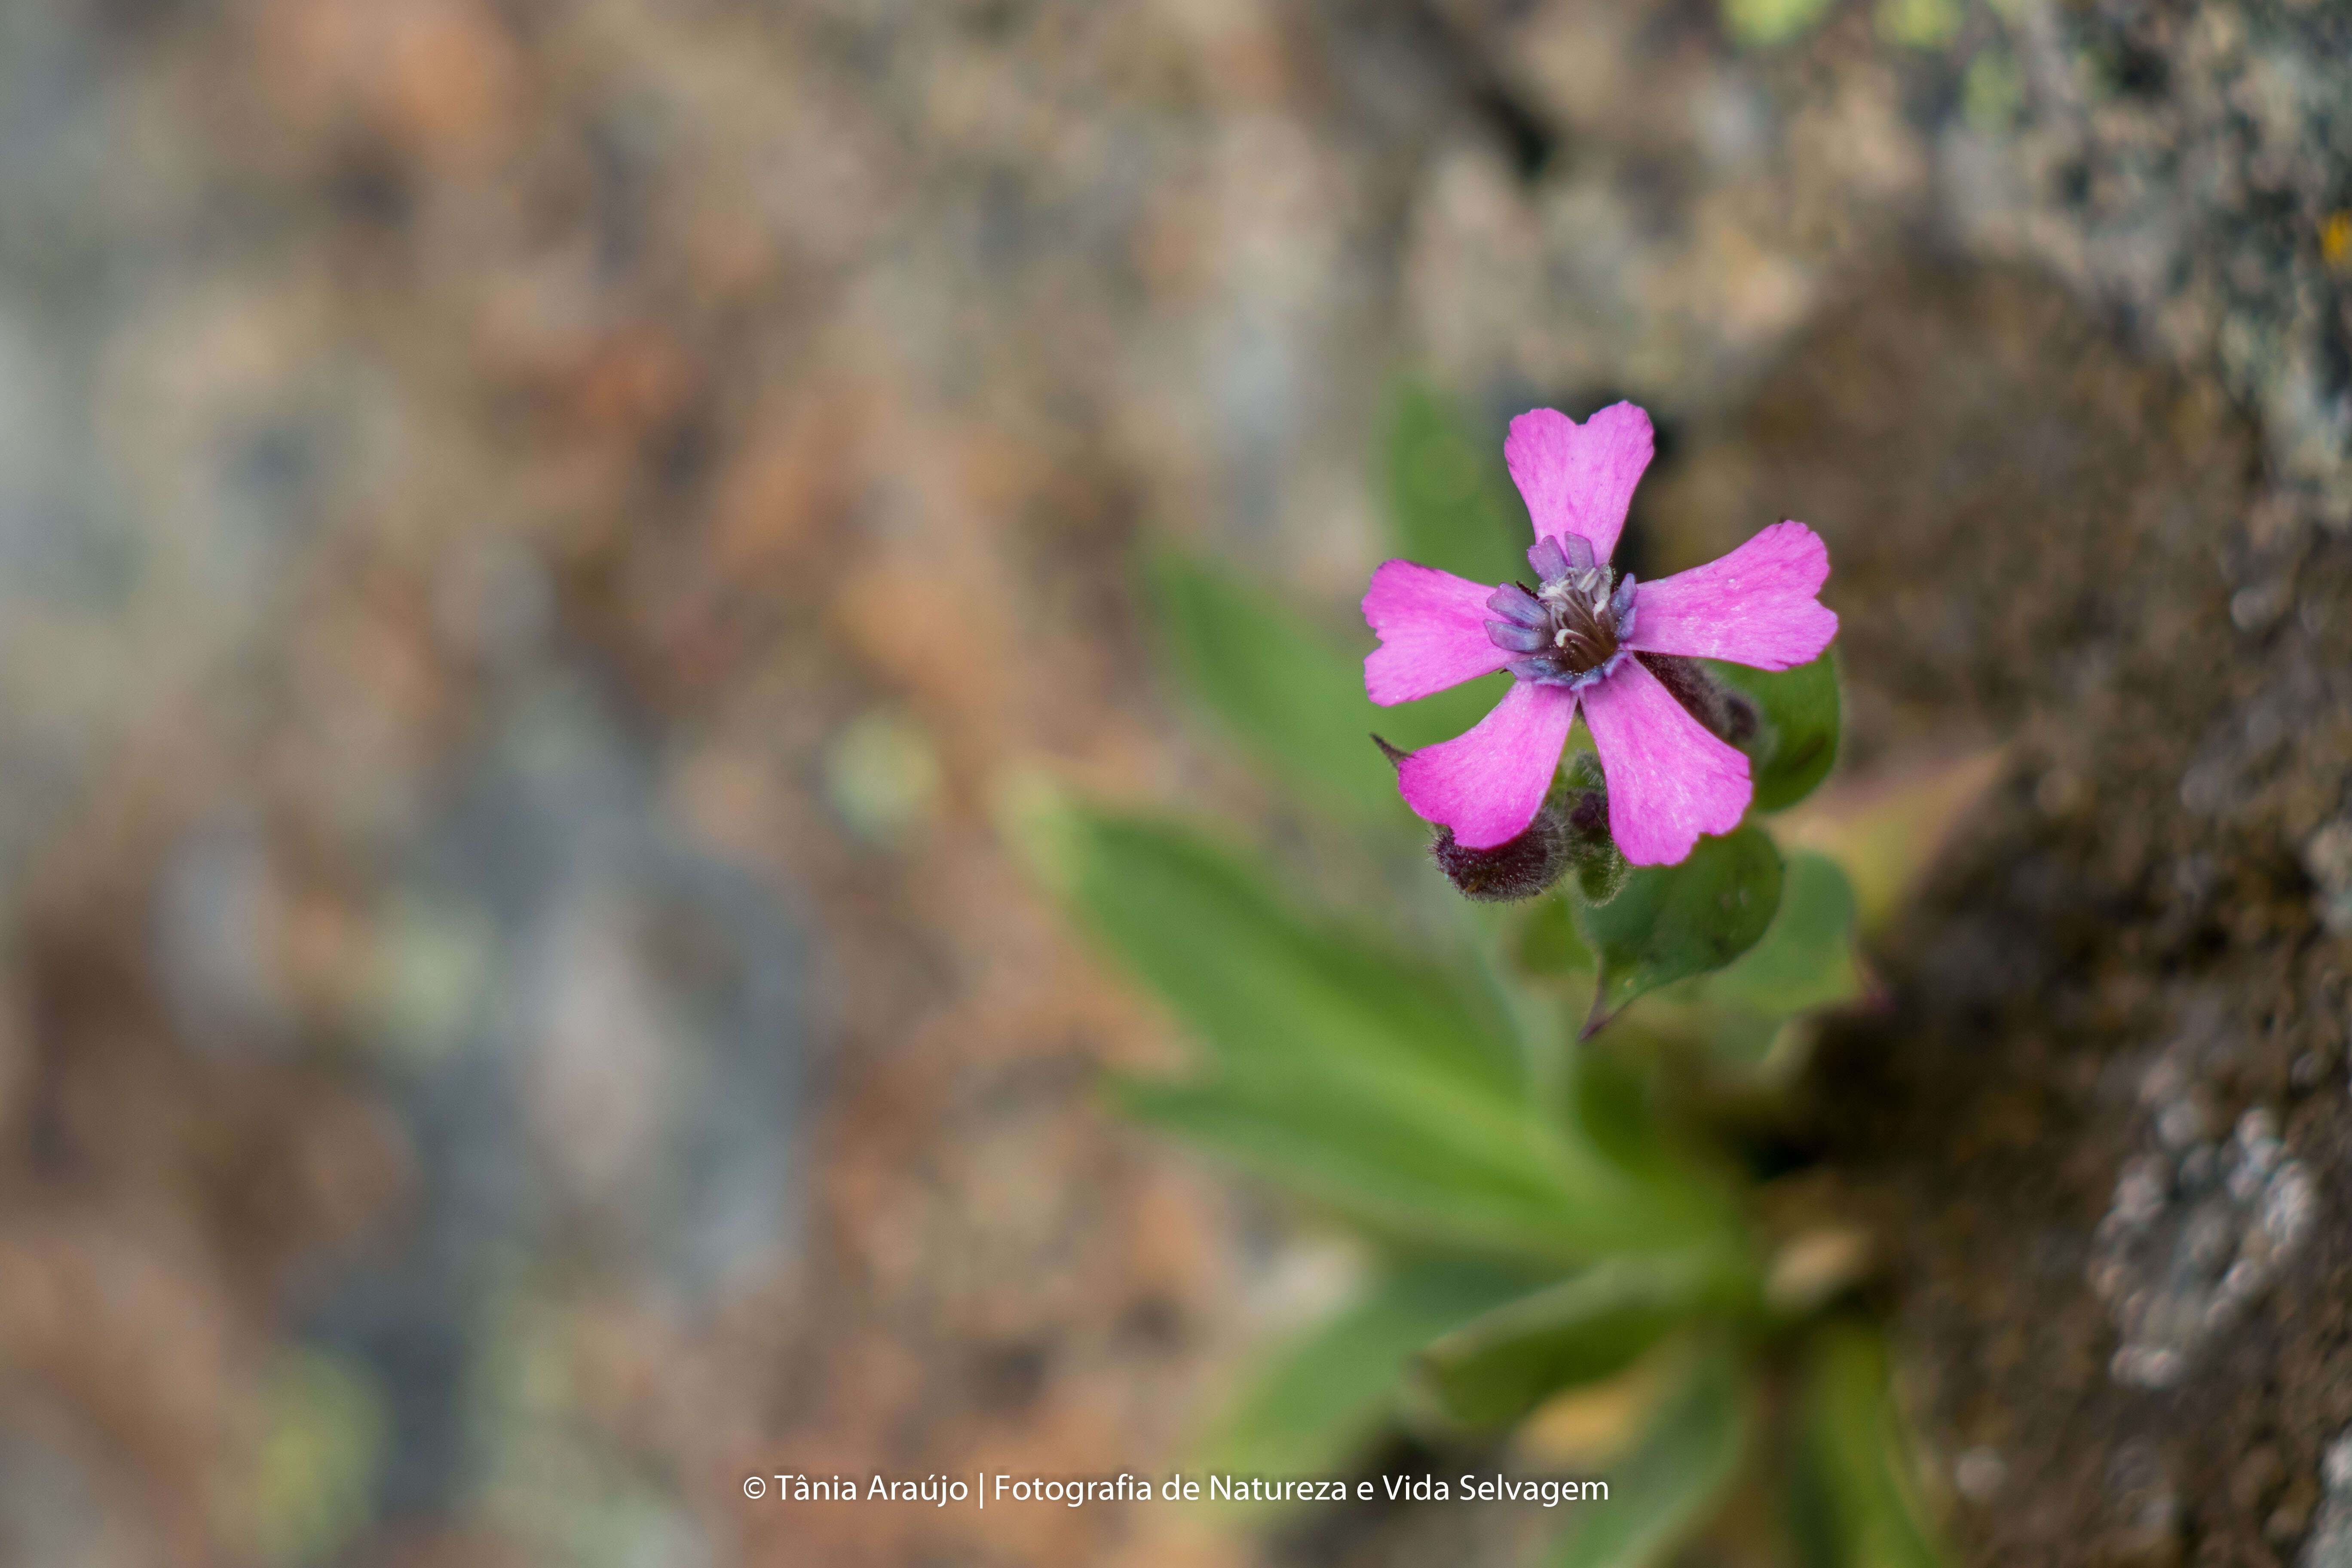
{"x":1579,"y":478}
{"x":1669,"y":780}
{"x":1487,"y":783}
{"x":1433,"y":629}
{"x":1755,"y":606}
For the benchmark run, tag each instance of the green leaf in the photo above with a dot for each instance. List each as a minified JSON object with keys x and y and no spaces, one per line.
{"x":1290,"y":694}
{"x":1806,"y":958}
{"x":1674,"y":1479}
{"x":1408,"y":1175}
{"x":1425,"y":1169}
{"x":1856,"y":1504}
{"x":1450,"y":502}
{"x":1672,"y":923}
{"x":1367,"y":1079}
{"x":1495,"y":1370}
{"x":1322,"y":1399}
{"x":1254,"y":979}
{"x":1795,"y":747}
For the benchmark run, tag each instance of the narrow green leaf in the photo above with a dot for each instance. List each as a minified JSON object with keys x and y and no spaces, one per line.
{"x":1493,"y":1371}
{"x":1797,"y":743}
{"x":1422,"y":1172}
{"x":1255,"y":980}
{"x":1451,"y":504}
{"x":1322,"y":1399}
{"x":1367,"y":1079}
{"x":1857,"y":1503}
{"x":1806,"y":958}
{"x":1676,"y":1475}
{"x":1672,"y":923}
{"x":1291,"y":695}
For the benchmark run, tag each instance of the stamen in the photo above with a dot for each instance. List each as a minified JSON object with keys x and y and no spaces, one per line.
{"x":1574,"y":625}
{"x":1515,"y":639}
{"x":1620,"y":607}
{"x":1515,"y":603}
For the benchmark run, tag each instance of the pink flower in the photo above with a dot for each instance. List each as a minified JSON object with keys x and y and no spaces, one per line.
{"x":1573,"y":637}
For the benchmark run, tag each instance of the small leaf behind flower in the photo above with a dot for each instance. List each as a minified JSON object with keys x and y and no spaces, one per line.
{"x":1672,"y":923}
{"x":1797,"y":744}
{"x":1674,"y":1479}
{"x":1806,"y":959}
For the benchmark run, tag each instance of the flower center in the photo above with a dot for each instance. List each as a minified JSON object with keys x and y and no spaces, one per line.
{"x":1568,"y":629}
{"x":1584,"y":625}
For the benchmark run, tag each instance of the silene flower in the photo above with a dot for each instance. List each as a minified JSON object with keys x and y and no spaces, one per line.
{"x":1577,"y":635}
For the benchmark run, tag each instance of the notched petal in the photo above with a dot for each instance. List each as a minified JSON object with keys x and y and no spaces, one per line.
{"x":1432,"y":632}
{"x":1578,"y":480}
{"x":1754,"y":606}
{"x":1570,"y":834}
{"x":1669,"y":780}
{"x":1487,"y":783}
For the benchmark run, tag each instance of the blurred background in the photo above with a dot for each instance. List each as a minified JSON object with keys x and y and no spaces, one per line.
{"x":537,"y":537}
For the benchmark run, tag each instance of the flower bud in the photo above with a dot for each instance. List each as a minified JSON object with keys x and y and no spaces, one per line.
{"x":1570,"y":832}
{"x":1521,"y":868}
{"x":1730,"y":715}
{"x":1601,"y":870}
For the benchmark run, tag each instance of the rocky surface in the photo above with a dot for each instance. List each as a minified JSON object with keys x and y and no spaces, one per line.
{"x":2105,"y":1119}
